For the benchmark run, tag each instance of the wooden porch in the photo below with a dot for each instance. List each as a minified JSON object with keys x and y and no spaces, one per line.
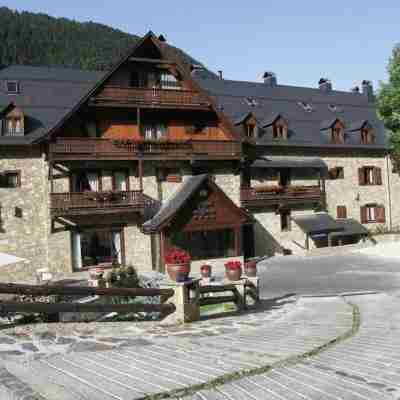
{"x":118,"y":96}
{"x":108,"y":149}
{"x":292,"y":195}
{"x":63,"y":204}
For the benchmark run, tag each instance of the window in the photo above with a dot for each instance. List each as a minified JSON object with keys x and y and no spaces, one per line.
{"x":154,"y":131}
{"x":285,"y":221}
{"x":12,"y":87}
{"x":206,"y":244}
{"x":86,"y":181}
{"x":337,"y":135}
{"x":168,"y":81}
{"x":367,"y":136}
{"x":336,"y":173}
{"x":250,"y":130}
{"x":279,"y":131}
{"x":341,"y":212}
{"x":120,"y":181}
{"x":12,"y":126}
{"x":372,"y":213}
{"x":173,"y":175}
{"x":138,"y":79}
{"x":10,"y":179}
{"x":369,"y":176}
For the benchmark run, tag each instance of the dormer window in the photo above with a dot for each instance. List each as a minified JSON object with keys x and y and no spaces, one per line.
{"x":250,"y":130}
{"x":367,"y":135}
{"x":13,"y":123}
{"x":280,"y":129}
{"x":337,"y":133}
{"x":12,"y":87}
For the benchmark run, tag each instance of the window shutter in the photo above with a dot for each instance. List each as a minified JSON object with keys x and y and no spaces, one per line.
{"x":363,"y":215}
{"x":361,"y":176}
{"x":378,"y":176}
{"x":380,"y":214}
{"x":341,"y":212}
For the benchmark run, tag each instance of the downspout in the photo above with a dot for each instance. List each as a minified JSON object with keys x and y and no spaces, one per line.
{"x":389,"y":192}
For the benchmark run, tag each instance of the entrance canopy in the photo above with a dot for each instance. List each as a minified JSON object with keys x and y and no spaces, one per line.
{"x":289,"y":162}
{"x":323,"y":224}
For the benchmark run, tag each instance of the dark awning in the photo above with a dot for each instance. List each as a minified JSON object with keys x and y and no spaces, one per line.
{"x":315,"y":224}
{"x":351,"y":227}
{"x":289,"y":162}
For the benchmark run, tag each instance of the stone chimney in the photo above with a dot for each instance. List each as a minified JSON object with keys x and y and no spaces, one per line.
{"x":325,"y":85}
{"x":368,"y":90}
{"x":270,"y":79}
{"x":220,"y":76}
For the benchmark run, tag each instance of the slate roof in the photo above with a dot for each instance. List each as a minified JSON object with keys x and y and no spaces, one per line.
{"x":304,"y":126}
{"x":175,"y":203}
{"x":288,"y":162}
{"x":315,"y":224}
{"x":350,"y":227}
{"x":46,"y":96}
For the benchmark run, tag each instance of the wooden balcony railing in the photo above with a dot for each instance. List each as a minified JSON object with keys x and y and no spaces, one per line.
{"x":86,"y":202}
{"x":96,"y":148}
{"x":253,"y":198}
{"x":151,"y":97}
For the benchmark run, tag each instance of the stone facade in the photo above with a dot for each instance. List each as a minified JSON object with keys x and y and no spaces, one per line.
{"x":339,"y":192}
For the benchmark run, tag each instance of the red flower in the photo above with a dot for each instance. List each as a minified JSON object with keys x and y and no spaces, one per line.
{"x":233,"y":265}
{"x":176,"y":256}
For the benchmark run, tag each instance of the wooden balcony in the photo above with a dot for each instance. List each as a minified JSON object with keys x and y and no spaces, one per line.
{"x":119,"y":96}
{"x":63,"y":204}
{"x":107,"y":149}
{"x":252,"y":198}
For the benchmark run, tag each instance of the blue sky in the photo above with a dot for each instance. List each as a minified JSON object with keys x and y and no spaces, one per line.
{"x":301,"y":41}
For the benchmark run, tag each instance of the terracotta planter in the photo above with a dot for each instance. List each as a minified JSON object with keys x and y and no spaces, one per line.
{"x":205,"y":271}
{"x":233,"y":274}
{"x":250,"y":269}
{"x":178,"y":272}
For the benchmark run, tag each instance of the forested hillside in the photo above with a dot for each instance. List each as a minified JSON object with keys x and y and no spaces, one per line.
{"x":38,"y":39}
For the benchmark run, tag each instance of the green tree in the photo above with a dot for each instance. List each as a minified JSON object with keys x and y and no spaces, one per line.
{"x":389,"y":101}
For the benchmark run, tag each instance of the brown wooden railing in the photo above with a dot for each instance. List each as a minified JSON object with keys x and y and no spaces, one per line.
{"x":53,"y":308}
{"x":251,"y":197}
{"x":88,"y":148}
{"x":64,"y":203}
{"x":149,"y":96}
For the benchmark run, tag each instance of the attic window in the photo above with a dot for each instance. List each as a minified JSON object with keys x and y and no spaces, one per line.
{"x":306,"y":106}
{"x":250,"y":130}
{"x":337,"y":133}
{"x":12,"y":87}
{"x":280,"y":129}
{"x":251,"y":102}
{"x":367,"y":135}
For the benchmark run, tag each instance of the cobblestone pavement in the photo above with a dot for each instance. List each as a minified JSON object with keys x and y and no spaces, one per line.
{"x":366,"y":366}
{"x":135,"y":364}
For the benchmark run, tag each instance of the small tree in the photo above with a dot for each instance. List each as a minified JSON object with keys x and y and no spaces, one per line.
{"x":389,"y":102}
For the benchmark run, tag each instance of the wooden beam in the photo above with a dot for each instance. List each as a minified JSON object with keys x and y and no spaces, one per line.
{"x":53,"y":308}
{"x":46,"y":290}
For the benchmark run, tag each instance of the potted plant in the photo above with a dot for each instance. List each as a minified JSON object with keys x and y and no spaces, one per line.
{"x":177,"y":264}
{"x":250,"y":268}
{"x":233,"y":270}
{"x":205,"y":271}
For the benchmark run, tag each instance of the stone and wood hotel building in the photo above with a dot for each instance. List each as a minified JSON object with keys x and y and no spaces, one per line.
{"x":118,"y":166}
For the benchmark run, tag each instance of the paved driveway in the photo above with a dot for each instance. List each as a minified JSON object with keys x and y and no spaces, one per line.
{"x":329,"y":274}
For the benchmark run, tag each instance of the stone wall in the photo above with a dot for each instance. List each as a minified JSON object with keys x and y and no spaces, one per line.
{"x":346,"y":192}
{"x":138,"y":249}
{"x":25,"y":236}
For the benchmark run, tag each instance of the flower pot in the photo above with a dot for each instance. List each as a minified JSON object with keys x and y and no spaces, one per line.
{"x":205,"y":271}
{"x":178,"y":272}
{"x":233,"y":274}
{"x":250,"y":269}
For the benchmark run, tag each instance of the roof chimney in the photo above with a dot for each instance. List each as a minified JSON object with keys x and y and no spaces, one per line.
{"x":220,"y":75}
{"x":325,"y":85}
{"x":161,"y":38}
{"x":368,"y":90}
{"x":355,"y":89}
{"x":270,"y":79}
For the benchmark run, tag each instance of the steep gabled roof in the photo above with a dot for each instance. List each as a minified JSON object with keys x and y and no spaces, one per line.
{"x":175,"y":203}
{"x":291,"y":101}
